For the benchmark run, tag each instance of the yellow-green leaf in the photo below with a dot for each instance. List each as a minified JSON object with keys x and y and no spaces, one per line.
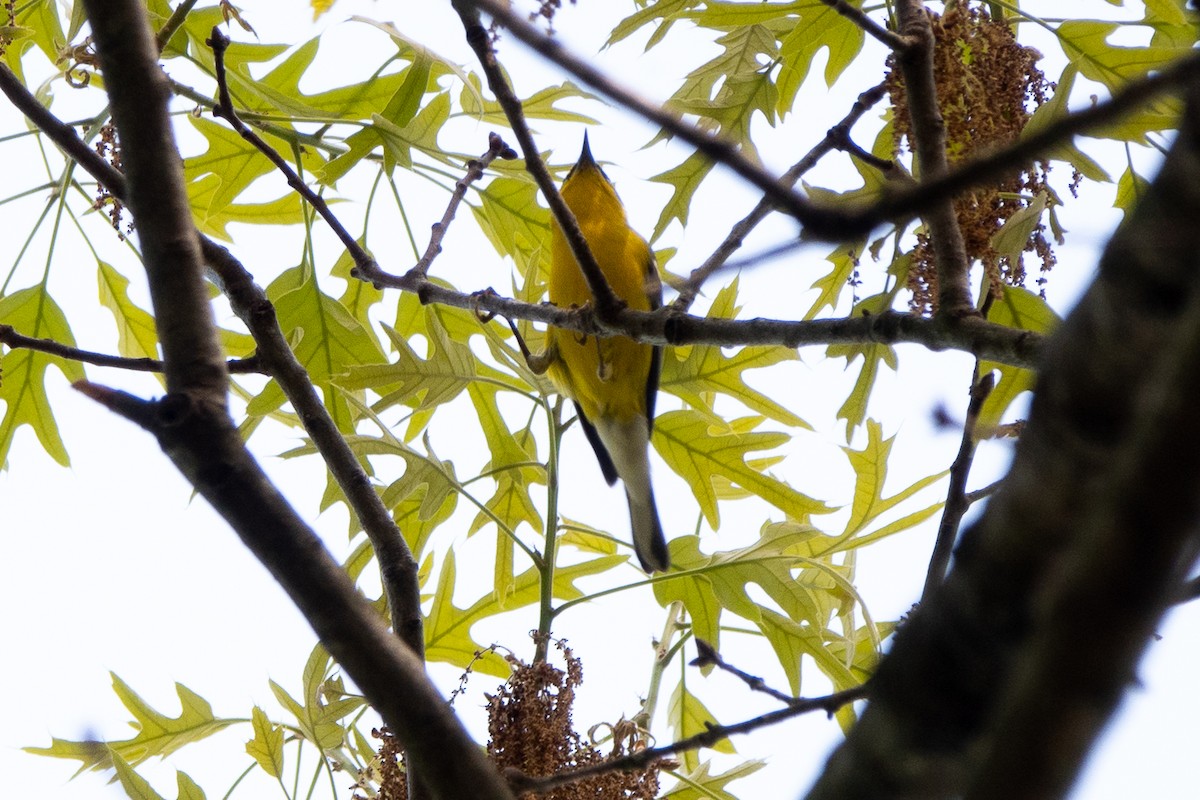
{"x":448,"y":628}
{"x":513,"y":465}
{"x":704,"y":369}
{"x":32,"y":312}
{"x":688,"y":717}
{"x":266,"y":747}
{"x":1051,"y":111}
{"x":1022,"y":309}
{"x":331,"y":340}
{"x":136,"y":335}
{"x":1013,"y":237}
{"x":1131,"y":188}
{"x":411,"y":380}
{"x":666,"y":10}
{"x":187,"y":788}
{"x":844,"y":259}
{"x":854,"y":410}
{"x":319,"y":718}
{"x":819,"y":27}
{"x":135,"y":786}
{"x":698,"y":784}
{"x":684,"y":180}
{"x":233,"y":161}
{"x":420,"y":134}
{"x":157,"y":734}
{"x":515,"y":223}
{"x":697,"y":449}
{"x":212,"y":218}
{"x":870,"y":471}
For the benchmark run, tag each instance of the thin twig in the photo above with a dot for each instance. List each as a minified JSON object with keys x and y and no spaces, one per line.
{"x":707,"y":655}
{"x":173,"y":24}
{"x":605,"y":300}
{"x":224,"y":109}
{"x":975,"y":336}
{"x":987,"y":491}
{"x":715,"y":733}
{"x":889,"y":39}
{"x":10,"y":337}
{"x":475,"y":169}
{"x":833,"y":137}
{"x":719,"y":150}
{"x":956,"y":498}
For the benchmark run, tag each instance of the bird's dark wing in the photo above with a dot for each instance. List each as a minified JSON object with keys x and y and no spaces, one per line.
{"x":654,"y":292}
{"x":606,"y":463}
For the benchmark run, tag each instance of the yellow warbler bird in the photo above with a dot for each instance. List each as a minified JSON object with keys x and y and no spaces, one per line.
{"x":613,"y":380}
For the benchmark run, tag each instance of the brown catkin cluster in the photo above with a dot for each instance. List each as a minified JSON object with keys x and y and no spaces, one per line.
{"x":530,"y":729}
{"x":109,"y":147}
{"x":529,"y":722}
{"x":9,"y":11}
{"x":988,"y":86}
{"x":393,"y":781}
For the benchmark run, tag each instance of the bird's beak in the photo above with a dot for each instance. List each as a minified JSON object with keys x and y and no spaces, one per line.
{"x":585,"y":157}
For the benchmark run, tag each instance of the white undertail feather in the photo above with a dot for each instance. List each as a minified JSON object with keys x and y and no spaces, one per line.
{"x":627,"y":442}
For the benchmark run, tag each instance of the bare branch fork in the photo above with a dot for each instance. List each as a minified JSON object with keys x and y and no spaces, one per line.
{"x":219,"y":43}
{"x":999,"y":684}
{"x":193,"y":426}
{"x":397,"y":567}
{"x":983,"y":339}
{"x":834,"y":224}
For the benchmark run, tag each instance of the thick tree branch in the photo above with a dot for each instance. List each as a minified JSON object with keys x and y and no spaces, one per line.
{"x":1018,"y":658}
{"x":194,"y":428}
{"x":158,"y":200}
{"x":397,"y":566}
{"x":972,"y":335}
{"x":1137,"y":537}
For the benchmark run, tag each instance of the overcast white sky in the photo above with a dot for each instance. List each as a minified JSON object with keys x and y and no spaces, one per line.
{"x":109,"y":565}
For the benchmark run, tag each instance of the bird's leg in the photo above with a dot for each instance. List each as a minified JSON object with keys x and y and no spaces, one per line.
{"x":603,"y":367}
{"x":537,"y":362}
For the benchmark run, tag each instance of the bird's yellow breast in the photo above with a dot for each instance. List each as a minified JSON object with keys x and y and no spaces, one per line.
{"x":605,"y":376}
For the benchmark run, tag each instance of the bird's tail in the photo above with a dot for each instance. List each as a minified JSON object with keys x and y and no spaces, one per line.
{"x":648,"y":540}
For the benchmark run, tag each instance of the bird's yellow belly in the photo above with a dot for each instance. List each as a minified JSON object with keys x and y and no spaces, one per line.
{"x":605,"y":376}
